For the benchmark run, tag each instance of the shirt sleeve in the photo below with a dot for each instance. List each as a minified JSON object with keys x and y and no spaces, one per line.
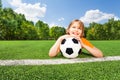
{"x":86,"y":42}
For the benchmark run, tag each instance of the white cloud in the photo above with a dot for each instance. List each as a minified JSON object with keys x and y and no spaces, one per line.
{"x":31,"y":11}
{"x":52,"y":24}
{"x":96,"y":16}
{"x":61,"y":19}
{"x":15,"y":3}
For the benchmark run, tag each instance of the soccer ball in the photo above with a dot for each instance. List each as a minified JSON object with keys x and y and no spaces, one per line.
{"x":70,"y":47}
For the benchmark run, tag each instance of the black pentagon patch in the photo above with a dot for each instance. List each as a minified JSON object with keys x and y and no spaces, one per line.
{"x":80,"y":51}
{"x":75,"y":41}
{"x":63,"y":41}
{"x":69,"y":51}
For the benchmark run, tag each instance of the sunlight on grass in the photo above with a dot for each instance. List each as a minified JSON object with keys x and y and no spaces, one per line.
{"x":109,"y":70}
{"x":39,"y":49}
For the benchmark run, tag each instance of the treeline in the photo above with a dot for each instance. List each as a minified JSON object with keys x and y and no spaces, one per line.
{"x":107,"y":31}
{"x":14,"y":26}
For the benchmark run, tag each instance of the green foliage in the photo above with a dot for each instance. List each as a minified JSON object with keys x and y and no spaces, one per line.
{"x":43,"y":29}
{"x":107,"y":31}
{"x":56,"y":31}
{"x":14,"y":26}
{"x":28,"y":32}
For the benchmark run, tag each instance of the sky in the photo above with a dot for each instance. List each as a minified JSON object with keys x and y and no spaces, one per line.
{"x":62,"y":12}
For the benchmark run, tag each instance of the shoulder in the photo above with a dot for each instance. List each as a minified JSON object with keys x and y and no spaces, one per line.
{"x":86,"y":42}
{"x":84,"y":39}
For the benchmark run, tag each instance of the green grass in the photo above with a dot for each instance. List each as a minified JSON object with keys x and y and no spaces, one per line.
{"x":83,"y":71}
{"x":40,"y":49}
{"x":24,"y":49}
{"x":108,"y":70}
{"x":109,"y":48}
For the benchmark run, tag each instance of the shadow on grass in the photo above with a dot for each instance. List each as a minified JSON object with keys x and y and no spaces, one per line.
{"x":85,"y":55}
{"x":81,"y":55}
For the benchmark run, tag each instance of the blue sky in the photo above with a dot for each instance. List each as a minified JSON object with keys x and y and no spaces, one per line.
{"x":62,"y":12}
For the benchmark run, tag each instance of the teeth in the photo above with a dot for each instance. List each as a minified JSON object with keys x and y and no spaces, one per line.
{"x":74,"y":33}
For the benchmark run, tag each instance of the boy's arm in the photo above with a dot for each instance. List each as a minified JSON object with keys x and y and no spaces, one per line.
{"x":90,"y":48}
{"x":55,"y":49}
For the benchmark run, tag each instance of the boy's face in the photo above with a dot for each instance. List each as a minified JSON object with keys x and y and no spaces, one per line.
{"x":75,"y":30}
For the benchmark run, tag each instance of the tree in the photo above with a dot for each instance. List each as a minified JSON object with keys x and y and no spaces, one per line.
{"x":14,"y":26}
{"x":56,"y":31}
{"x":90,"y":34}
{"x":28,"y":32}
{"x":43,"y":29}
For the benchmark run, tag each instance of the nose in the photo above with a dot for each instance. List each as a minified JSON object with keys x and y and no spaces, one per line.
{"x":76,"y":29}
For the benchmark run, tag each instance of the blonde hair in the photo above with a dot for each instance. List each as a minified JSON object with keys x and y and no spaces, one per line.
{"x":81,"y":26}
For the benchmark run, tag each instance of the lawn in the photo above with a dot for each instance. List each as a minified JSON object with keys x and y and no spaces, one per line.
{"x":39,"y":49}
{"x":82,"y":71}
{"x":107,"y":70}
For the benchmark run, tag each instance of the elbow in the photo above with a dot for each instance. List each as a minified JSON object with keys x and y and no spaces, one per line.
{"x":99,"y":56}
{"x":51,"y":55}
{"x":98,"y":53}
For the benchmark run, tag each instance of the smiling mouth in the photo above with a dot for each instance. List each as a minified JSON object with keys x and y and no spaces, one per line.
{"x":75,"y":33}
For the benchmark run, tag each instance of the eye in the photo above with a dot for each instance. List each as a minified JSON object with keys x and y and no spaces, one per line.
{"x":79,"y":28}
{"x":73,"y":27}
